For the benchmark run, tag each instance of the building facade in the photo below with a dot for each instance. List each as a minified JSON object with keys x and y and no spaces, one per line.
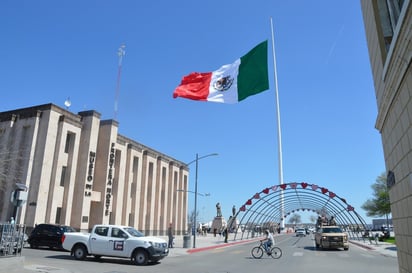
{"x":79,"y":171}
{"x":388,"y":27}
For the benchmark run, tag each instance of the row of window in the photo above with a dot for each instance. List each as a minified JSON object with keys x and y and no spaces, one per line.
{"x":389,"y":12}
{"x":116,"y":232}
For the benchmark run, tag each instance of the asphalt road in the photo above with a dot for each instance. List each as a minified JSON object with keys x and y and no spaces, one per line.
{"x":299,"y":255}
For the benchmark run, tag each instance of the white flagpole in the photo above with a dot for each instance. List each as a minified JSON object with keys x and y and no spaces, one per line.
{"x":282,"y":205}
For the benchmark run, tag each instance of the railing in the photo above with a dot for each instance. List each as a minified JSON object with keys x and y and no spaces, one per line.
{"x":12,"y":239}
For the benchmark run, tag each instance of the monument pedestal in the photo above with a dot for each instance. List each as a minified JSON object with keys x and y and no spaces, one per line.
{"x":232,"y":224}
{"x":218,"y":224}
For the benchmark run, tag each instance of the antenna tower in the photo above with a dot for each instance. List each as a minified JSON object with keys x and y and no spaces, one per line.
{"x":120,"y":53}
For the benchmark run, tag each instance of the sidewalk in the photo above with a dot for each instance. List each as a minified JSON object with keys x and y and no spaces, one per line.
{"x":386,"y":249}
{"x":206,"y":242}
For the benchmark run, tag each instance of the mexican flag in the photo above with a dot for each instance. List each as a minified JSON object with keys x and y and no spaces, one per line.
{"x":231,"y":83}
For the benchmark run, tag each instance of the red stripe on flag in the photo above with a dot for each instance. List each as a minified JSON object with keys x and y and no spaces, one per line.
{"x":194,"y":86}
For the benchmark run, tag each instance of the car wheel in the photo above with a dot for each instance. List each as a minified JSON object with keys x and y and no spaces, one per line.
{"x":346,"y":248}
{"x":79,"y":252}
{"x":140,"y":257}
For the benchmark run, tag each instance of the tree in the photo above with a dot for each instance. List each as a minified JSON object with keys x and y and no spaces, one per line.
{"x":11,"y":172}
{"x":295,"y":219}
{"x":191,"y":219}
{"x":313,"y":218}
{"x":379,"y":205}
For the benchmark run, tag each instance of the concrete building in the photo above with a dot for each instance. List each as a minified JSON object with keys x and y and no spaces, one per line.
{"x":388,"y":25}
{"x":79,"y":172}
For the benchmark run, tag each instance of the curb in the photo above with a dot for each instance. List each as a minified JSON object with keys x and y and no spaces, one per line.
{"x":362,"y":245}
{"x":222,"y":245}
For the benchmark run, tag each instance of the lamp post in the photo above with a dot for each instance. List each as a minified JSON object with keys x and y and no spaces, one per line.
{"x":201,"y":194}
{"x":197,"y":164}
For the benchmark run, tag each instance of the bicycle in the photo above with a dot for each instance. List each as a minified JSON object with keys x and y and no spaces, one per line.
{"x":257,"y":251}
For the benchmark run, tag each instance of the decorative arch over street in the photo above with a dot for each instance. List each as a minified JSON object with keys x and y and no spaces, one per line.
{"x":264,"y":209}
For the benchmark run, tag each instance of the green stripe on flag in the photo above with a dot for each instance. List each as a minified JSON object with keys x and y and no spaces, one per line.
{"x":253,"y":72}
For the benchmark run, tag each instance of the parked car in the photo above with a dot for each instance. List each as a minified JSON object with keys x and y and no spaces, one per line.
{"x":48,"y":235}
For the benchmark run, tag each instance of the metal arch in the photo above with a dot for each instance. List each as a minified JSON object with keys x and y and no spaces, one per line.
{"x":325,"y":205}
{"x":270,"y":213}
{"x":289,"y":200}
{"x":263,"y":208}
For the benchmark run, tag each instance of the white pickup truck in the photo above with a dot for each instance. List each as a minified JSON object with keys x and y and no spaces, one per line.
{"x":115,"y":241}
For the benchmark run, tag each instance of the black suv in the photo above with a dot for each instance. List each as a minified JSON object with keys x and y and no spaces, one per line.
{"x":48,"y":235}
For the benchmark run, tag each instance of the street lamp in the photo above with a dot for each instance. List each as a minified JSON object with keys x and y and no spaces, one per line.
{"x":201,"y":194}
{"x":197,"y":164}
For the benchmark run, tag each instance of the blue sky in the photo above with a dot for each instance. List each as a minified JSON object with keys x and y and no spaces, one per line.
{"x":52,"y":50}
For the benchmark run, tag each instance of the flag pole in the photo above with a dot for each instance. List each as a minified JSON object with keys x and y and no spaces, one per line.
{"x":282,"y":205}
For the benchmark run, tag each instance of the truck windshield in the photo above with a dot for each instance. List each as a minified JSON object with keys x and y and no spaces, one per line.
{"x":134,"y":232}
{"x":332,"y":230}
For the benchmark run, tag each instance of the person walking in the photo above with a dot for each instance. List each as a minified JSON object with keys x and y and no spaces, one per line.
{"x":170,"y":235}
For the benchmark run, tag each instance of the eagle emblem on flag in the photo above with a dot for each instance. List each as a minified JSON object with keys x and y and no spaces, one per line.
{"x":223,"y":84}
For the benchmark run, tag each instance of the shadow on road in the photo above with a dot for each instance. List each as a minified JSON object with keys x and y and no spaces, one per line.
{"x":119,"y":261}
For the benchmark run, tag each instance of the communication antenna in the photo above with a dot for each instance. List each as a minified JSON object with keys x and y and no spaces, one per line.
{"x":67,"y":103}
{"x":120,"y":53}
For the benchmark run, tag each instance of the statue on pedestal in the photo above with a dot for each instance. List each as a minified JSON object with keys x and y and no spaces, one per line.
{"x":218,"y":210}
{"x":219,"y":222}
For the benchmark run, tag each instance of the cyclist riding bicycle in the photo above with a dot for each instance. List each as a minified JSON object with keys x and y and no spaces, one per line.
{"x":268,"y":241}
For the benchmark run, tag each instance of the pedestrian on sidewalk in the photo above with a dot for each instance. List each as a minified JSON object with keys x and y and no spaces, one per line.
{"x":226,"y":231}
{"x":170,"y":235}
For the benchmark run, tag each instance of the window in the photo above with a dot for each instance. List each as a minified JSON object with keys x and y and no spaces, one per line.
{"x":58,"y":214}
{"x":118,"y":233}
{"x":69,"y":140}
{"x":389,"y":12}
{"x":102,"y":231}
{"x":135,"y":173}
{"x":63,"y":176}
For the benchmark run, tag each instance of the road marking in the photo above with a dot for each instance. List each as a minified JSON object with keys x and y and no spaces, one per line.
{"x":45,"y":268}
{"x":298,"y":254}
